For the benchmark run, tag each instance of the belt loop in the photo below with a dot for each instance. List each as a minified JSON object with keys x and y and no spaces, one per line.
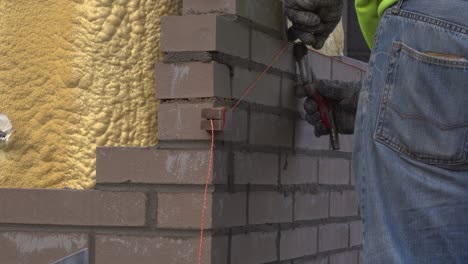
{"x":397,"y":7}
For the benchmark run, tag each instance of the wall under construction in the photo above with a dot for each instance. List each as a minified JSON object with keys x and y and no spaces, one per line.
{"x":277,"y":195}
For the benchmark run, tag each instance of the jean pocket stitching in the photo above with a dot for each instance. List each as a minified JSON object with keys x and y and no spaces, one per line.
{"x":382,"y":137}
{"x":426,"y":119}
{"x":422,"y":57}
{"x":391,"y":68}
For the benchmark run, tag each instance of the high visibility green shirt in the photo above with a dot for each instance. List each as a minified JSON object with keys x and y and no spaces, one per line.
{"x":369,"y":12}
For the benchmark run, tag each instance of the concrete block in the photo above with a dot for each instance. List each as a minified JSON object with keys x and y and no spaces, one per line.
{"x":311,"y":206}
{"x":298,"y":169}
{"x":269,"y":208}
{"x":72,"y":207}
{"x":344,"y":203}
{"x":204,"y":33}
{"x":271,"y":130}
{"x":333,"y":236}
{"x":253,"y":248}
{"x":184,"y":210}
{"x":192,"y":80}
{"x":159,"y":166}
{"x":37,"y":247}
{"x":148,"y":250}
{"x":256,"y":168}
{"x":298,"y":242}
{"x":265,"y":92}
{"x":333,"y":171}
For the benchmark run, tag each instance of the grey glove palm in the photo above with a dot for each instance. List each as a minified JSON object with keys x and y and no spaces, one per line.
{"x":343,"y":98}
{"x":313,"y":20}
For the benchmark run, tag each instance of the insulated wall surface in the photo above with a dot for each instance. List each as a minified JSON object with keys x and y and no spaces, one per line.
{"x":74,"y":75}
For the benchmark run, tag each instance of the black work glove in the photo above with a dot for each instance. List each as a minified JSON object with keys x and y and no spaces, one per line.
{"x":343,"y":97}
{"x":313,"y":20}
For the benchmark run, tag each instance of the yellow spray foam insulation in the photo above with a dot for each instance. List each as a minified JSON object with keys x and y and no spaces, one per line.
{"x":75,"y":74}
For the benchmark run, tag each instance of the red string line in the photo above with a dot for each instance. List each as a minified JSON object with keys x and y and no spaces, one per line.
{"x":277,"y":56}
{"x":207,"y":180}
{"x":335,"y":59}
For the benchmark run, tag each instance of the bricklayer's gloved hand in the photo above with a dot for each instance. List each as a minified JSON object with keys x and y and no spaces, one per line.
{"x":313,"y":20}
{"x":343,"y":97}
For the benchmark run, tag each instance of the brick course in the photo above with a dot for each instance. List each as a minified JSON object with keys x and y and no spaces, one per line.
{"x":158,"y":166}
{"x":67,"y":207}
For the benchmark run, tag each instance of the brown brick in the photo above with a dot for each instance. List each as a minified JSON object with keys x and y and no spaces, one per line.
{"x":181,"y":121}
{"x":306,"y":139}
{"x":256,"y":168}
{"x":311,"y":206}
{"x":192,"y":80}
{"x":333,"y":236}
{"x":348,"y":257}
{"x":343,"y":203}
{"x":267,"y":13}
{"x":253,"y":248}
{"x":265,"y":92}
{"x":265,"y":47}
{"x":72,"y":207}
{"x":298,"y":169}
{"x":271,"y":130}
{"x":345,"y":72}
{"x":204,"y":33}
{"x":269,"y":207}
{"x":184,"y":210}
{"x":150,"y":250}
{"x":298,"y":242}
{"x":35,"y":247}
{"x":355,"y":232}
{"x":333,"y":171}
{"x":158,"y":166}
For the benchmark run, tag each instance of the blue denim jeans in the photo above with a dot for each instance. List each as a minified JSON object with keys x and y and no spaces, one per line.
{"x":411,"y":136}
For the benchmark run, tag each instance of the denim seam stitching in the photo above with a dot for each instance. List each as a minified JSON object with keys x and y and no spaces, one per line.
{"x":391,"y":68}
{"x":433,"y":21}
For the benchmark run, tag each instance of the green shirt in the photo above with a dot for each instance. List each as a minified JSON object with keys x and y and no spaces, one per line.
{"x":369,"y":12}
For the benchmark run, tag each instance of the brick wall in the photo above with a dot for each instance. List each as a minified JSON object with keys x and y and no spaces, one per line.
{"x":277,"y":195}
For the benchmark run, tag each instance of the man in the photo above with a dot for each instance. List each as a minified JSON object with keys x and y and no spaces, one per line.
{"x":411,"y":123}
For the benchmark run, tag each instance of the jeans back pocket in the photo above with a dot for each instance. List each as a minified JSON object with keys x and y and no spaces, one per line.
{"x":423,"y":112}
